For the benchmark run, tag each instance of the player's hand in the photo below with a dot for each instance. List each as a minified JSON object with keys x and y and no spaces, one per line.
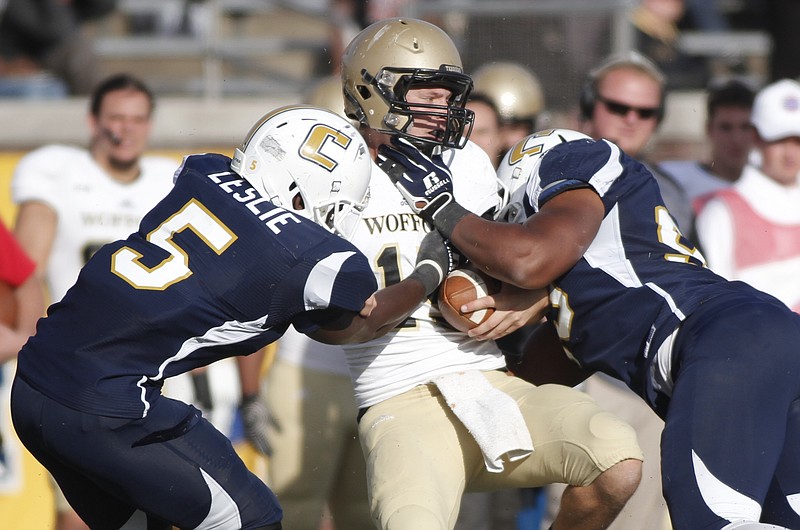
{"x":435,"y":260}
{"x":424,"y":181}
{"x":369,"y":306}
{"x":514,"y":308}
{"x":256,"y":419}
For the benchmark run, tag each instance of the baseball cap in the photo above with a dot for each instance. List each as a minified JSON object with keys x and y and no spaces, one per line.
{"x":776,"y":110}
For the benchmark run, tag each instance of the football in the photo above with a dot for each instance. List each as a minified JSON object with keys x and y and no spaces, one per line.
{"x":8,"y":305}
{"x":461,"y":286}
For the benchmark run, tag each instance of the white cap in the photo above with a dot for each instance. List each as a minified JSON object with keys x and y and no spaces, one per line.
{"x":776,"y":110}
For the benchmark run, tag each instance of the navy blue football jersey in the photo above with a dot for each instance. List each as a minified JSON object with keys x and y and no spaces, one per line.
{"x":639,"y":279}
{"x":215,"y":270}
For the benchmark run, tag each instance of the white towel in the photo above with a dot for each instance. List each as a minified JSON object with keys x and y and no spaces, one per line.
{"x":492,"y":417}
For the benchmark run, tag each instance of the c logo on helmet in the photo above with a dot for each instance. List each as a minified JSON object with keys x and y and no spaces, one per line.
{"x":318,"y":138}
{"x":520,"y":150}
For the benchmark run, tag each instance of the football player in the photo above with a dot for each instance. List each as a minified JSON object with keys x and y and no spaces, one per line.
{"x":631,"y":297}
{"x":234,"y":254}
{"x":518,"y":95}
{"x":403,"y":81}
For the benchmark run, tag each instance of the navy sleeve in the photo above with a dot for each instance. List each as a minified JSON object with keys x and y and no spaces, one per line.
{"x":572,"y":165}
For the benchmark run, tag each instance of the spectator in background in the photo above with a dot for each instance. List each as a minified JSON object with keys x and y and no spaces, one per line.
{"x":730,"y":137}
{"x":518,"y":96}
{"x":751,"y":230}
{"x":17,"y":271}
{"x":656,"y":31}
{"x":73,"y":200}
{"x":44,"y":48}
{"x":18,"y":316}
{"x":623,"y":100}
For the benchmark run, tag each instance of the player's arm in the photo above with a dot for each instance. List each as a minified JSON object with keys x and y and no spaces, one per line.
{"x":544,"y":361}
{"x":387,"y":308}
{"x":390,"y":306}
{"x":30,"y":306}
{"x":530,"y":255}
{"x":253,"y":410}
{"x":534,"y":254}
{"x":35,"y":229}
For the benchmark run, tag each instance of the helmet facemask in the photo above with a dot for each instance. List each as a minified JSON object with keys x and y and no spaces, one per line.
{"x":393,"y":84}
{"x":339,"y":214}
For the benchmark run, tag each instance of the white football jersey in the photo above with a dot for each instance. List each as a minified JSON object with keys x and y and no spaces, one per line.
{"x":92,"y":208}
{"x":390,"y":234}
{"x":751,"y":232}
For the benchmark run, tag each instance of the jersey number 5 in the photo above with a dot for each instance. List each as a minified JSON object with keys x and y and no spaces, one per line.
{"x":126,"y":263}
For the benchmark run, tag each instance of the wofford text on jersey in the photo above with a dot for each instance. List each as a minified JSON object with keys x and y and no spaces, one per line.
{"x":403,"y":222}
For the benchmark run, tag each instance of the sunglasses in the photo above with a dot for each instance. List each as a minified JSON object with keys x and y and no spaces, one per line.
{"x":621,"y":109}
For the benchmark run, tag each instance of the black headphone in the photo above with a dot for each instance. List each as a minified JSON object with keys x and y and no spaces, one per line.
{"x":588,"y":96}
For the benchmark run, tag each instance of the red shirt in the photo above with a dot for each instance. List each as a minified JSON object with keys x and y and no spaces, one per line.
{"x":15,"y":265}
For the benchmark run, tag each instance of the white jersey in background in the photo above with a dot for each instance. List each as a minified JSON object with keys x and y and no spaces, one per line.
{"x":390,"y":234}
{"x":92,"y":208}
{"x":751,"y":232}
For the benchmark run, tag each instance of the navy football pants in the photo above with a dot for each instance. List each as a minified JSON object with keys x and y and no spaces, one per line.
{"x":173,"y":465}
{"x":731,"y":444}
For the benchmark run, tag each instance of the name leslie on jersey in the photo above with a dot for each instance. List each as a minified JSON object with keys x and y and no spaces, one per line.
{"x":243,"y":192}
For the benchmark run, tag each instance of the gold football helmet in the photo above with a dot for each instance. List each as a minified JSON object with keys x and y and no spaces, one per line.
{"x":327,"y":94}
{"x":515,"y":91}
{"x":394,"y":55}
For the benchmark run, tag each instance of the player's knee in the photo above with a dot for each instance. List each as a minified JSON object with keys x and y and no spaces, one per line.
{"x":619,"y":482}
{"x":414,"y":518}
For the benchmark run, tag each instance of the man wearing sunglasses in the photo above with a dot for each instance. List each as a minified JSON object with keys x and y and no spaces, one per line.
{"x":622,"y":100}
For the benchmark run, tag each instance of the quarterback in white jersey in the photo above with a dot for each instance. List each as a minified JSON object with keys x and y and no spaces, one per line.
{"x":425,"y":346}
{"x":92,"y":208}
{"x":438,"y":413}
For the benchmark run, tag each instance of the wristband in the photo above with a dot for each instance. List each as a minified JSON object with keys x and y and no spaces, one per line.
{"x":447,"y":217}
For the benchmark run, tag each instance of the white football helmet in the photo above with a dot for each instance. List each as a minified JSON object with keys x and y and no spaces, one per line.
{"x":391,"y":56}
{"x":519,"y":165}
{"x":310,"y":161}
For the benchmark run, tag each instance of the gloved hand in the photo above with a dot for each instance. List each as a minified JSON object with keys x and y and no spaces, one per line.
{"x":256,"y":418}
{"x":435,"y":260}
{"x":424,"y":181}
